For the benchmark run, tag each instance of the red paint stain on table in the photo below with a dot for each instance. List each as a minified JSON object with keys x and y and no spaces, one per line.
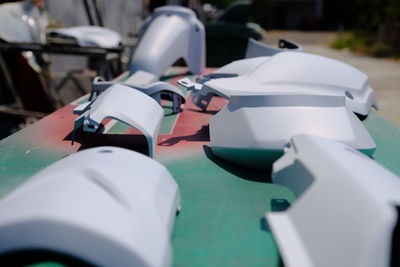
{"x":191,"y":128}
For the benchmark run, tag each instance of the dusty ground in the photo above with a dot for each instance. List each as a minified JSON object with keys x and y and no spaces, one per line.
{"x":384,"y":74}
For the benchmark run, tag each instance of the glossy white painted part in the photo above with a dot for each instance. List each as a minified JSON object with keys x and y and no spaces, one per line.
{"x":256,"y":54}
{"x":234,"y":69}
{"x":241,"y":67}
{"x":299,"y":73}
{"x":140,"y":81}
{"x":252,"y":130}
{"x":171,"y":33}
{"x":89,"y":36}
{"x":259,"y":49}
{"x":346,"y":211}
{"x":108,"y":206}
{"x":121,"y":103}
{"x":201,"y":95}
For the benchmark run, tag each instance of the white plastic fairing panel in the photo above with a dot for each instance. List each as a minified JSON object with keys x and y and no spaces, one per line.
{"x":234,"y":69}
{"x":121,"y":103}
{"x":108,"y":206}
{"x":256,"y":53}
{"x":304,"y":73}
{"x":88,"y":36}
{"x":347,"y":207}
{"x":172,"y":33}
{"x":253,"y":130}
{"x":296,"y":72}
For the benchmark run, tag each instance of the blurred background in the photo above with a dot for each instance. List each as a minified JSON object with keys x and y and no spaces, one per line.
{"x":363,"y":33}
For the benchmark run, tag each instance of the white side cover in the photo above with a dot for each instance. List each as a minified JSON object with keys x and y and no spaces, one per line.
{"x":301,"y":72}
{"x":346,"y":212}
{"x":89,"y":35}
{"x":252,"y":130}
{"x":172,"y":33}
{"x":108,"y":206}
{"x":121,"y":103}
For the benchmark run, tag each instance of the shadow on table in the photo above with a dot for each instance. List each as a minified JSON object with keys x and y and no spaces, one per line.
{"x":136,"y":142}
{"x":262,"y":176}
{"x":201,"y":135}
{"x":38,"y":257}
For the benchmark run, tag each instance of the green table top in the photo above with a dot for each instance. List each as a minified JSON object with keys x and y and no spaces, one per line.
{"x":223,"y":205}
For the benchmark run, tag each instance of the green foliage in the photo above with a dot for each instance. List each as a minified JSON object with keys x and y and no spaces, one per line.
{"x":373,"y":13}
{"x":346,"y":40}
{"x":376,"y":30}
{"x":352,"y":41}
{"x":381,"y":50}
{"x":365,"y":43}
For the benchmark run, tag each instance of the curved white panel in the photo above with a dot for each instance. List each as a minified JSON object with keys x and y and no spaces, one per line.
{"x":129,"y":106}
{"x":171,"y":33}
{"x":346,"y":211}
{"x":295,"y":72}
{"x":252,"y":130}
{"x":108,"y":206}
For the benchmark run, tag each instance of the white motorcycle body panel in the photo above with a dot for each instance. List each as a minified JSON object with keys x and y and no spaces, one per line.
{"x":171,"y":33}
{"x":252,"y":130}
{"x":121,"y":103}
{"x":301,"y":72}
{"x":235,"y":68}
{"x":108,"y":206}
{"x":346,"y":211}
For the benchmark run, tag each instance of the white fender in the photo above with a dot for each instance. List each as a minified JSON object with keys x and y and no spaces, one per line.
{"x":121,"y":103}
{"x":301,"y":72}
{"x":172,"y":33}
{"x":108,"y":206}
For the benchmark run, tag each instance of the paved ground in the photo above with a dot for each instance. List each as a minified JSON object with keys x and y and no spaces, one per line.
{"x":384,"y":74}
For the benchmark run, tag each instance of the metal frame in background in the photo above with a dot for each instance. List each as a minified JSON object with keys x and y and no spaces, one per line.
{"x":100,"y":56}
